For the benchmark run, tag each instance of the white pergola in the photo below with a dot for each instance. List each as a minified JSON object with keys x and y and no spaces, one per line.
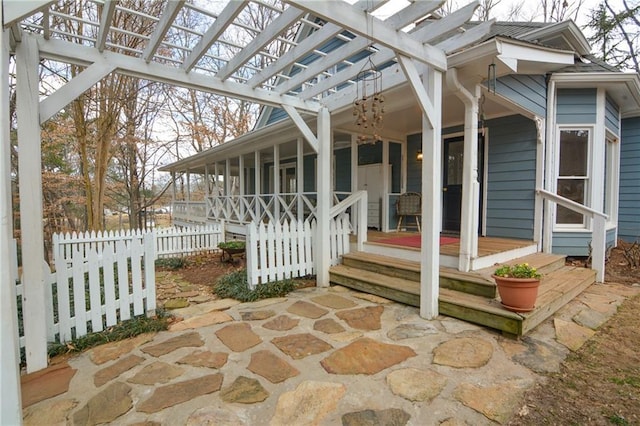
{"x":211,"y":59}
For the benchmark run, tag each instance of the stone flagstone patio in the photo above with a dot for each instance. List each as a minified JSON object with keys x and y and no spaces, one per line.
{"x":319,"y":356}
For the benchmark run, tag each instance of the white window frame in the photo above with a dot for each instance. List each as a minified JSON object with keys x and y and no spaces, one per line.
{"x":612,"y":178}
{"x":585,"y":225}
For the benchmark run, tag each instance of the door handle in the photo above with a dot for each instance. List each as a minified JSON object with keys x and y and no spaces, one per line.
{"x":444,"y":189}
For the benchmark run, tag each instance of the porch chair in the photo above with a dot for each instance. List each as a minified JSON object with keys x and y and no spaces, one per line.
{"x":409,"y":204}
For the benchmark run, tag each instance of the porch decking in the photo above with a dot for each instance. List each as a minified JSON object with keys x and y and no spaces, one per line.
{"x":467,"y":296}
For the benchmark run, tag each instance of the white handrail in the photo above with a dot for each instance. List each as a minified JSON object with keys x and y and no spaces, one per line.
{"x":358,"y":198}
{"x":598,"y":231}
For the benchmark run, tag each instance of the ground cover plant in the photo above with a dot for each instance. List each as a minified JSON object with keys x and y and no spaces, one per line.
{"x":235,"y":286}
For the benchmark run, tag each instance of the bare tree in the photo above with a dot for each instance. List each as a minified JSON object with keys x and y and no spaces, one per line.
{"x":616,"y":33}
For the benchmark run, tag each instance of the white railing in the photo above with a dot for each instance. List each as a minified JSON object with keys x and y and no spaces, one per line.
{"x":357,"y":203}
{"x":168,"y":242}
{"x":101,"y":285}
{"x":244,"y":209}
{"x":279,"y":251}
{"x":598,"y":229}
{"x":189,"y":211}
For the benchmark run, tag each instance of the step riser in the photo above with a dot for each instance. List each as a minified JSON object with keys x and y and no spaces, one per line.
{"x":445,"y":282}
{"x":552,"y":267}
{"x":371,"y":288}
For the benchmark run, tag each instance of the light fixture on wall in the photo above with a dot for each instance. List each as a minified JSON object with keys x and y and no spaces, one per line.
{"x":419,"y":154}
{"x":368,"y":107}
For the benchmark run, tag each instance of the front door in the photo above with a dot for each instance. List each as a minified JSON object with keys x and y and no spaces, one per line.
{"x":452,"y":184}
{"x":453,"y":155}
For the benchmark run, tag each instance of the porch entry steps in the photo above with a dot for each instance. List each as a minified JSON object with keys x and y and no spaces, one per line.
{"x":469,"y":296}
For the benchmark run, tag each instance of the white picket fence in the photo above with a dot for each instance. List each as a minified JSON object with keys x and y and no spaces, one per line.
{"x":169,"y":242}
{"x":279,"y":251}
{"x":98,"y":286}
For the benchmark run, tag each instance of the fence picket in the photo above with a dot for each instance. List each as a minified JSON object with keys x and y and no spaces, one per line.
{"x":79,"y":301}
{"x":123,"y":282}
{"x":64,"y":307}
{"x":109,"y":285}
{"x":149,"y":274}
{"x":95,"y":304}
{"x":136,"y":276}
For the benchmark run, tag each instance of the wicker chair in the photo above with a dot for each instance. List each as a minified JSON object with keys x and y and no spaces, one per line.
{"x":409,"y":204}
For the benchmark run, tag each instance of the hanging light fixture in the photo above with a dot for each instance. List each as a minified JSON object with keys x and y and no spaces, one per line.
{"x":368,"y":107}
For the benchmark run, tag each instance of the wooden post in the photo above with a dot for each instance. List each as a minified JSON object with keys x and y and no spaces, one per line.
{"x":276,"y":183}
{"x":300,"y":178}
{"x":10,"y":403}
{"x":257,"y":183}
{"x":30,"y":175}
{"x":323,"y":186}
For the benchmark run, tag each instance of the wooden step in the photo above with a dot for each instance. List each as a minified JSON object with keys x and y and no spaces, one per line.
{"x":545,"y":263}
{"x":467,"y":282}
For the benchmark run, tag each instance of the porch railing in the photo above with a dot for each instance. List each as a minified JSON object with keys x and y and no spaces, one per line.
{"x":598,"y":228}
{"x":190,"y":211}
{"x":243,"y":209}
{"x":357,"y":204}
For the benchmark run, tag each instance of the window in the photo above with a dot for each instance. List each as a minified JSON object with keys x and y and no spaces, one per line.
{"x":573,"y":173}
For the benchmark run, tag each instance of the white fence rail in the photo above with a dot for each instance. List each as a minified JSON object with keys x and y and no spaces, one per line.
{"x":280,"y":251}
{"x":97,"y":286}
{"x":169,"y":242}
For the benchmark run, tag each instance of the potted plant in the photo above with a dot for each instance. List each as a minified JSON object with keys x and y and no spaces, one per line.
{"x":518,"y":286}
{"x":230,"y":248}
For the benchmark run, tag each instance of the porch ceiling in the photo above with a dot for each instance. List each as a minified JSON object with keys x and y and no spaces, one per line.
{"x":211,"y":46}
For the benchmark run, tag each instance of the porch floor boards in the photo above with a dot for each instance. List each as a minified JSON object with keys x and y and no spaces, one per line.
{"x":467,"y":296}
{"x":486,"y":245}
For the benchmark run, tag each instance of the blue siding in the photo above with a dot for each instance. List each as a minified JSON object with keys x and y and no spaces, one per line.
{"x":629,"y":202}
{"x":612,"y":115}
{"x":528,"y":91}
{"x":414,"y":168}
{"x":343,"y":169}
{"x":511,"y":177}
{"x":395,"y":159}
{"x":370,"y":153}
{"x":577,"y":243}
{"x":576,"y":106}
{"x":309,"y":177}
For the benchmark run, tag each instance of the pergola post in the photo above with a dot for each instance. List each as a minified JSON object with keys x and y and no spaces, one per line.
{"x":31,"y":214}
{"x":300,"y":178}
{"x":323,"y":204}
{"x":11,"y":404}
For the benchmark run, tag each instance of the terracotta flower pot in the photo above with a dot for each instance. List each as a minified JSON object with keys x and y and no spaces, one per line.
{"x":517,"y":294}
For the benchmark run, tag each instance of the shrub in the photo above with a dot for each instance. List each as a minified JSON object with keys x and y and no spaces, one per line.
{"x":172,"y":263}
{"x":520,"y":270}
{"x":232,"y":245}
{"x":236,"y":286}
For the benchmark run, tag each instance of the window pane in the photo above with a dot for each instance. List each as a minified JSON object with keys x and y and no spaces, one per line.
{"x":573,"y":152}
{"x":572,"y":189}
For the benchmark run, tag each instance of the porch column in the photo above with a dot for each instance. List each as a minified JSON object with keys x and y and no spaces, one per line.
{"x":11,"y":404}
{"x":385,"y":186}
{"x":30,"y":176}
{"x":470,"y":185}
{"x":207,"y":191}
{"x":241,"y":182}
{"x":323,"y":204}
{"x":431,"y":195}
{"x":300,"y":178}
{"x":276,"y":182}
{"x":258,"y":185}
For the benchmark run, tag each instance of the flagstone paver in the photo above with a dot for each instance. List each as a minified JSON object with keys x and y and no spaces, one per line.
{"x":308,"y":403}
{"x":496,"y":402}
{"x":175,"y":303}
{"x":365,"y":356}
{"x":388,"y":417}
{"x":590,"y":318}
{"x":373,"y":298}
{"x":238,"y":337}
{"x":298,"y":346}
{"x":307,"y":310}
{"x":273,"y":368}
{"x":281,"y":323}
{"x":212,"y":416}
{"x":256,"y":315}
{"x":40,"y":385}
{"x":347,"y":336}
{"x":328,"y":326}
{"x":416,"y":385}
{"x":334,"y":301}
{"x":106,"y":406}
{"x":117,"y":368}
{"x":572,"y":335}
{"x":177,"y":393}
{"x":203,"y":308}
{"x":541,"y":357}
{"x":54,"y":412}
{"x":113,"y":350}
{"x":192,"y":339}
{"x":244,"y":390}
{"x":362,"y":318}
{"x":157,"y":372}
{"x":464,"y":352}
{"x":412,"y":330}
{"x":205,"y":359}
{"x":204,"y":320}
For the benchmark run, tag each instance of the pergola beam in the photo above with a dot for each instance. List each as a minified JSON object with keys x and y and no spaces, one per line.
{"x":15,"y":11}
{"x":372,"y":28}
{"x":106,"y":18}
{"x":169,"y":14}
{"x":127,"y":65}
{"x":272,"y":31}
{"x":302,"y":126}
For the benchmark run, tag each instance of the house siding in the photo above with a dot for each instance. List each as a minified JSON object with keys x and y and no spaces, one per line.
{"x":343,"y":169}
{"x":576,"y":106}
{"x":577,"y":243}
{"x":629,"y":204}
{"x":414,"y":168}
{"x":612,"y":116}
{"x":527,"y":91}
{"x":511,"y":177}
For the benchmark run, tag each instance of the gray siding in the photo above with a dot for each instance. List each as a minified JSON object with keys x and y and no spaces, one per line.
{"x":576,"y":106}
{"x":511,"y":177}
{"x":611,"y":116}
{"x":577,"y":243}
{"x":629,"y":204}
{"x":528,"y":91}
{"x":343,"y":169}
{"x":414,"y":168}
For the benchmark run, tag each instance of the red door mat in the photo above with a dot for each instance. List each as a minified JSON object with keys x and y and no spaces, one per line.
{"x":414,"y":241}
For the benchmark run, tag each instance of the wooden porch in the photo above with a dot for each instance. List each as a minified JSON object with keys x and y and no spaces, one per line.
{"x":470,"y":296}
